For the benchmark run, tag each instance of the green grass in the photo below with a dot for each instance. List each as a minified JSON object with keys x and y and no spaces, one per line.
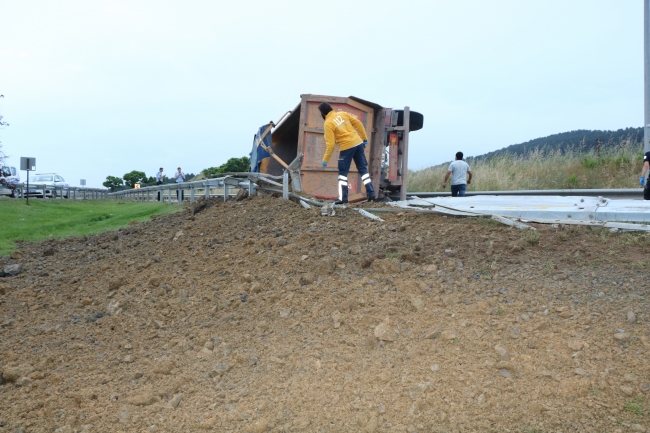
{"x":634,"y":407}
{"x":615,"y":166}
{"x":61,"y":218}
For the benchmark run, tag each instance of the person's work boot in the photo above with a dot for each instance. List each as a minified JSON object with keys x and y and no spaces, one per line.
{"x":371,"y":196}
{"x":340,"y":202}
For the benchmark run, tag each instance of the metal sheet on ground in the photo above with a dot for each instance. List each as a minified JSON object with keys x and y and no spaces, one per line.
{"x":546,"y":207}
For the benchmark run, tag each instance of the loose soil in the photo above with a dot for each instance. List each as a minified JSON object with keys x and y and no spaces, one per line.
{"x":259,"y":315}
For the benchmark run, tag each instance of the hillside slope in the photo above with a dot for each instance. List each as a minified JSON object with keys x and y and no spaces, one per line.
{"x":271,"y":318}
{"x":582,"y":140}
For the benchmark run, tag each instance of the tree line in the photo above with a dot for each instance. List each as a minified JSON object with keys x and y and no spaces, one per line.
{"x":128,"y":181}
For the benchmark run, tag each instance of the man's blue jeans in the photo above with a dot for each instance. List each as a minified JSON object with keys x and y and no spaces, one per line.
{"x":345,"y":160}
{"x":458,"y":190}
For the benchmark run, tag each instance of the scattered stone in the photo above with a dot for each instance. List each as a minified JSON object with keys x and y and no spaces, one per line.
{"x":627,"y":390}
{"x":113,"y":308}
{"x":219,"y":369}
{"x":208,"y":424}
{"x":86,"y":301}
{"x":417,"y":303}
{"x":631,"y":317}
{"x":116,"y":282}
{"x":158,"y":324}
{"x":581,"y":372}
{"x":12,"y":374}
{"x":286,"y":312}
{"x":24,"y":381}
{"x":144,"y":399}
{"x":542,"y":326}
{"x":449,"y":334}
{"x":154,"y":282}
{"x":127,"y":359}
{"x":645,"y":387}
{"x":504,"y":372}
{"x":11,"y":270}
{"x":386,"y":266}
{"x":174,"y":401}
{"x":16,"y":255}
{"x":204,"y":353}
{"x":575,"y":345}
{"x":384,"y":333}
{"x":622,"y":336}
{"x":638,"y":428}
{"x":435,"y":367}
{"x":432,"y":334}
{"x":282,"y":242}
{"x":307,"y":279}
{"x":502,"y":353}
{"x":567,"y":314}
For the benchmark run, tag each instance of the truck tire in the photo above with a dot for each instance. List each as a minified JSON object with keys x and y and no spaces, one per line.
{"x":416,"y":120}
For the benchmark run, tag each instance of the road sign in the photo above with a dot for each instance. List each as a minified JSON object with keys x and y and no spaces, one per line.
{"x":27,"y":163}
{"x":82,"y":182}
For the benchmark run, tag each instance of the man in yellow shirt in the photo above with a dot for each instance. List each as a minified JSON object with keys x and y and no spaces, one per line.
{"x":348,"y":132}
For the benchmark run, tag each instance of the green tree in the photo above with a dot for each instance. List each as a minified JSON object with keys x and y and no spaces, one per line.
{"x":232,"y":165}
{"x":113,"y":183}
{"x":133,"y":177}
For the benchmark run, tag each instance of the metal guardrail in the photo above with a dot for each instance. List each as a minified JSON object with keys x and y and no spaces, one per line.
{"x":202,"y":188}
{"x":73,"y":192}
{"x":613,"y":194}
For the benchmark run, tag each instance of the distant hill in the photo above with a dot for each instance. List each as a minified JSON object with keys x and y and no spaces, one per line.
{"x":581,"y":139}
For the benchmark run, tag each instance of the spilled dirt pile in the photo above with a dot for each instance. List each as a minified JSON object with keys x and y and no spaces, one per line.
{"x":260,"y":315}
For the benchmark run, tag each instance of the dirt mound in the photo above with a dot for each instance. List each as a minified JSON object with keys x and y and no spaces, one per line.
{"x":259,"y":315}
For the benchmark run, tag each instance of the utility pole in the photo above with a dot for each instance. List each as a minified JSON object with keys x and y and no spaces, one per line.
{"x":646,"y":74}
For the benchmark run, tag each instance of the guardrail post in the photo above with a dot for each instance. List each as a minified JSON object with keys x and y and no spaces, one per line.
{"x":169,"y":196}
{"x":191,"y":194}
{"x":207,"y":190}
{"x":285,"y":185}
{"x":225,"y":191}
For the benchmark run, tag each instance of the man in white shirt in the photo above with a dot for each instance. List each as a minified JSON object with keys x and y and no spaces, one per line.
{"x":180,"y":177}
{"x":458,"y":170}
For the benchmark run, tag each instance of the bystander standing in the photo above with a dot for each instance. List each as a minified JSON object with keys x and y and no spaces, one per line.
{"x":180,"y":178}
{"x":160,"y":177}
{"x":458,"y":170}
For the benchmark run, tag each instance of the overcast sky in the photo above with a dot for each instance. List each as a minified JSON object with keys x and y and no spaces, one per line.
{"x":97,"y":88}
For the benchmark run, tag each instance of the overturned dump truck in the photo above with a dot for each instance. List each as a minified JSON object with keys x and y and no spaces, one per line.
{"x":296,"y":147}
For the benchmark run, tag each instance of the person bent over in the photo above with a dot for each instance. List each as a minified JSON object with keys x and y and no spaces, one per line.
{"x":346,"y":131}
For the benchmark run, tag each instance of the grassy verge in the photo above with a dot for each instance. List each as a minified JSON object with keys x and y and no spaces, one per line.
{"x":62,"y":218}
{"x":614,"y":167}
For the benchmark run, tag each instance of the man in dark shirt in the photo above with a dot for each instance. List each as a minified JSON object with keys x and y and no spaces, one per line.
{"x":643,"y":180}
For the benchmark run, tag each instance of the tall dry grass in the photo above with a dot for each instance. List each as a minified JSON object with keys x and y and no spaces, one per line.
{"x":616,"y":166}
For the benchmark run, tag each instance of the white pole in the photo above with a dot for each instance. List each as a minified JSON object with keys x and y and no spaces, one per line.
{"x":646,"y":74}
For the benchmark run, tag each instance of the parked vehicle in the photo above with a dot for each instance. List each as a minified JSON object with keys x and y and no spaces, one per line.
{"x":50,"y":180}
{"x":9,"y":177}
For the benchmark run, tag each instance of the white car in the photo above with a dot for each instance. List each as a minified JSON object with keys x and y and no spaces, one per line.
{"x":51,"y":180}
{"x":9,"y":176}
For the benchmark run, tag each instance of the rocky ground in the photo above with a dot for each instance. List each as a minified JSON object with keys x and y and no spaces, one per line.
{"x":260,"y":315}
